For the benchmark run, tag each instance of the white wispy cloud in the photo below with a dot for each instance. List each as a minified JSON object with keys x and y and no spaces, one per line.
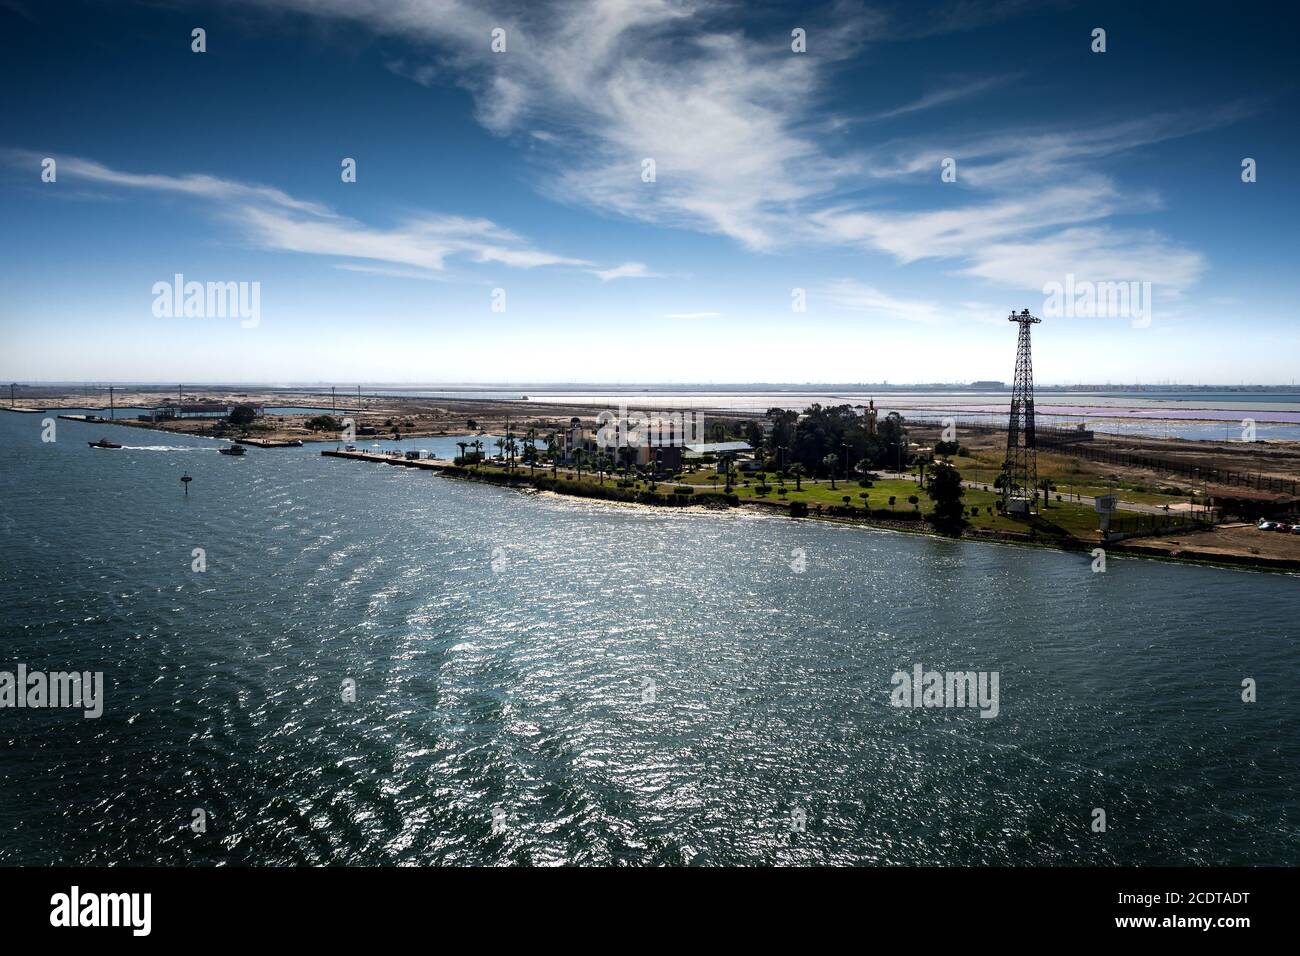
{"x":729,"y":119}
{"x":1096,"y":254}
{"x":850,"y":295}
{"x":628,"y":270}
{"x":424,"y":243}
{"x":963,"y":229}
{"x":424,"y":74}
{"x":1026,"y":209}
{"x":1019,"y":156}
{"x":198,"y":185}
{"x":392,"y":272}
{"x":738,"y":128}
{"x":953,"y":92}
{"x":272,"y":219}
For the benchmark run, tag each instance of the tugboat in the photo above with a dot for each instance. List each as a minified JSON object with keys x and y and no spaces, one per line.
{"x":235,"y":450}
{"x":103,"y":443}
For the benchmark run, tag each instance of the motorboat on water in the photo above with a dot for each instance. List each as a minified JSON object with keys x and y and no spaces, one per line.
{"x":235,"y":450}
{"x":103,"y":443}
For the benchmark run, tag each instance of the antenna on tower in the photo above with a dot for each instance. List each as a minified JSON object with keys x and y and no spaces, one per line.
{"x":1020,"y":467}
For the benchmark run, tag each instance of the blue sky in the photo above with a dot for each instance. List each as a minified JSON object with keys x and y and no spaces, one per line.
{"x":522,"y":171}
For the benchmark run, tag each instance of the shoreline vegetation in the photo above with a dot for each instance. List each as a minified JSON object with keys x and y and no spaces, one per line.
{"x":910,"y":518}
{"x":812,"y":447}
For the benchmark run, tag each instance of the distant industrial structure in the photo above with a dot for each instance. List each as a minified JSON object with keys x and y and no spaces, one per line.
{"x":1020,"y":467}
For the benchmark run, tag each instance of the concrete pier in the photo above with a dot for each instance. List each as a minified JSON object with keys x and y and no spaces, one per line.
{"x":429,"y":464}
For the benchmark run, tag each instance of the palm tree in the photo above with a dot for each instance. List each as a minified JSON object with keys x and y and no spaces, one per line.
{"x":580,"y":459}
{"x":830,"y":461}
{"x":478,"y":452}
{"x":921,"y":464}
{"x":553,"y":449}
{"x":798,"y":471}
{"x":531,"y":451}
{"x":500,"y":444}
{"x":462,"y":445}
{"x":1046,"y":485}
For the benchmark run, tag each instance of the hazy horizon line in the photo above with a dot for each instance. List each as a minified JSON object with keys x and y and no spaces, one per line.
{"x":667,"y":386}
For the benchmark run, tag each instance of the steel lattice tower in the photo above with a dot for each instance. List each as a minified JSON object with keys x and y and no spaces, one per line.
{"x":1020,"y":468}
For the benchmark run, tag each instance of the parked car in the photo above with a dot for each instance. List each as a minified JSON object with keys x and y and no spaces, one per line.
{"x":1266,"y":525}
{"x":1283,"y":527}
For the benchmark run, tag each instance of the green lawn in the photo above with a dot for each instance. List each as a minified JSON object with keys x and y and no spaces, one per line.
{"x":1060,"y":519}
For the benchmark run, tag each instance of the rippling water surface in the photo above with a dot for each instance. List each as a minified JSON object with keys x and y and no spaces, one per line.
{"x":502,"y":644}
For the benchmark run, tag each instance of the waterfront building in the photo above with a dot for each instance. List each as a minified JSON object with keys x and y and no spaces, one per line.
{"x":661,"y":440}
{"x":1251,"y":504}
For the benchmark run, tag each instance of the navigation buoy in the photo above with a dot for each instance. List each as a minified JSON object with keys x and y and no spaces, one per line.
{"x":185,"y":482}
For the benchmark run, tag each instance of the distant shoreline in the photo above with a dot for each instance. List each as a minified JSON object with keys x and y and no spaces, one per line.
{"x":416,"y":420}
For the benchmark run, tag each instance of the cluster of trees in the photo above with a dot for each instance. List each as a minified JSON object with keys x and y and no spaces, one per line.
{"x":945,"y":491}
{"x":833,"y":441}
{"x":242,"y":415}
{"x":325,"y":423}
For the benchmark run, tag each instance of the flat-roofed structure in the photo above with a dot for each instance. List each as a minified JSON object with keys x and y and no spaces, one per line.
{"x":717,"y":448}
{"x":1250,"y":503}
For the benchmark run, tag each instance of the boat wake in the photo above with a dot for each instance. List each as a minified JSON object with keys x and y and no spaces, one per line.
{"x":164,"y":448}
